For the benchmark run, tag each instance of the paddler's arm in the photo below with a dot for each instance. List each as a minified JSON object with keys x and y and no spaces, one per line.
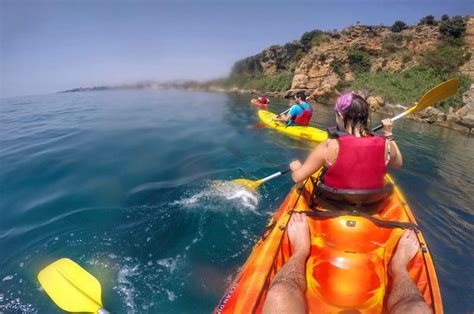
{"x":287,"y":116}
{"x":284,"y":118}
{"x":396,"y":158}
{"x":315,"y":161}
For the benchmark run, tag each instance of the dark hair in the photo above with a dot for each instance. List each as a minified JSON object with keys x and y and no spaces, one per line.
{"x":356,"y":117}
{"x":301,"y":95}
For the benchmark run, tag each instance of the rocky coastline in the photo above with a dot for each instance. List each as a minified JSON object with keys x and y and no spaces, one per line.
{"x":460,"y":120}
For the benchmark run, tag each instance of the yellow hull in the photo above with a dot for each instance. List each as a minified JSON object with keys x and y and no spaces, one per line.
{"x":306,"y":132}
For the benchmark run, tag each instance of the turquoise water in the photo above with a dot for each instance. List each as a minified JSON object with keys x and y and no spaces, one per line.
{"x":123,"y":183}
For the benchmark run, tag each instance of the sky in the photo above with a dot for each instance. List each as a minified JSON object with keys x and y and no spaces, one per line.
{"x":50,"y":45}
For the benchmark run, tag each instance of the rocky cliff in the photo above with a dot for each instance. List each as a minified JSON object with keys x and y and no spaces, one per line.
{"x":385,"y":51}
{"x":465,"y":115}
{"x":324,"y":63}
{"x":269,"y":61}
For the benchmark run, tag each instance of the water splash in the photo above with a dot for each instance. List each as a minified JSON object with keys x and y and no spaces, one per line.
{"x":15,"y":305}
{"x":125,"y":287}
{"x":220,"y":193}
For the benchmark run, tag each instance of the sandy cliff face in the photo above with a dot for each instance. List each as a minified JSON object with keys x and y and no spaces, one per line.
{"x":269,"y":61}
{"x":465,"y":115}
{"x":387,"y":51}
{"x":278,"y":58}
{"x":468,"y":67}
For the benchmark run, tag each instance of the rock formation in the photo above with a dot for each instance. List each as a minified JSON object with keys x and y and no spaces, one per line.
{"x":269,"y":61}
{"x":465,"y":115}
{"x":315,"y":70}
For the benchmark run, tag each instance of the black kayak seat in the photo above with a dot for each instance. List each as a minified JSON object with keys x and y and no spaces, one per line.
{"x":359,"y":200}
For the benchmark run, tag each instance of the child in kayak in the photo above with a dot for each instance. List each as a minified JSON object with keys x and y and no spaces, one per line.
{"x":263,"y":102}
{"x":353,"y":158}
{"x":300,"y":114}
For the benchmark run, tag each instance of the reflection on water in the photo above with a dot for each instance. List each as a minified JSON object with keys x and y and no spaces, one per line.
{"x":134,"y":186}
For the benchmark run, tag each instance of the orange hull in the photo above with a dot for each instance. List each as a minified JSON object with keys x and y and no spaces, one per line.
{"x":347,"y":267}
{"x":257,"y":103}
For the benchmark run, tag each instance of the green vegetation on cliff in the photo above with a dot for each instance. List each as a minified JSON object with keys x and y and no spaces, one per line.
{"x":398,"y":26}
{"x":454,"y":27}
{"x":358,"y":60}
{"x":407,"y":86}
{"x":313,"y":38}
{"x":434,"y":67}
{"x":281,"y":61}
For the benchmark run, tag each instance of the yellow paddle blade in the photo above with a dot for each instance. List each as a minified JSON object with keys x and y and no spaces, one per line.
{"x":71,"y":287}
{"x":252,"y":185}
{"x":436,"y":94}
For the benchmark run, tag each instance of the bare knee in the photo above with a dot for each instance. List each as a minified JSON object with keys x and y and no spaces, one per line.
{"x":281,"y":291}
{"x":284,"y":297}
{"x":415,"y":304}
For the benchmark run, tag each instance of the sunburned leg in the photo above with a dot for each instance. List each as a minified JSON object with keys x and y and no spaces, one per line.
{"x":405,"y":296}
{"x":286,"y":294}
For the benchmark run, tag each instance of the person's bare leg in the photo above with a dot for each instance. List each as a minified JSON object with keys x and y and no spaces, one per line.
{"x":405,"y":296}
{"x":286,"y":293}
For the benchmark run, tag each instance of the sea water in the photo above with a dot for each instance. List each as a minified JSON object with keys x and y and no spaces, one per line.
{"x":134,"y":186}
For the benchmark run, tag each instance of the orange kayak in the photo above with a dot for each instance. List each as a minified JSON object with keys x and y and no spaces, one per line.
{"x":347,"y":266}
{"x":255,"y":102}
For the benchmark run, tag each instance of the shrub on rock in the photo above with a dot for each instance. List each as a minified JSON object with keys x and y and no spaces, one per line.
{"x":398,"y":26}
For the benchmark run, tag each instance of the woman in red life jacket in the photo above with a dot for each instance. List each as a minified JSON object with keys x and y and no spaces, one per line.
{"x":353,"y":158}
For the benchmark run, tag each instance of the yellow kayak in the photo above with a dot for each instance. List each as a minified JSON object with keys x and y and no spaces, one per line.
{"x":306,"y":132}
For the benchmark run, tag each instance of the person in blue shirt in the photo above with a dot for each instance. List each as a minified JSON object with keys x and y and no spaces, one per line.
{"x":300,"y":114}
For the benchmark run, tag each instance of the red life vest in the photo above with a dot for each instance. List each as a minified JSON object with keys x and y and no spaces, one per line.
{"x":360,"y":164}
{"x":304,"y":117}
{"x":263,"y":100}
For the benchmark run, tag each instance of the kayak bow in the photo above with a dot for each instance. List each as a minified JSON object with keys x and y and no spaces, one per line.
{"x":347,"y":267}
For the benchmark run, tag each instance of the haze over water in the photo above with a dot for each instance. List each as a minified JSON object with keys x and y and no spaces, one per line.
{"x":123,"y":183}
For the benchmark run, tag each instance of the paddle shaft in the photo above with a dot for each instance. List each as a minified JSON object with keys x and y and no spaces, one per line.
{"x":284,"y":112}
{"x":401,"y":115}
{"x":279,"y":173}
